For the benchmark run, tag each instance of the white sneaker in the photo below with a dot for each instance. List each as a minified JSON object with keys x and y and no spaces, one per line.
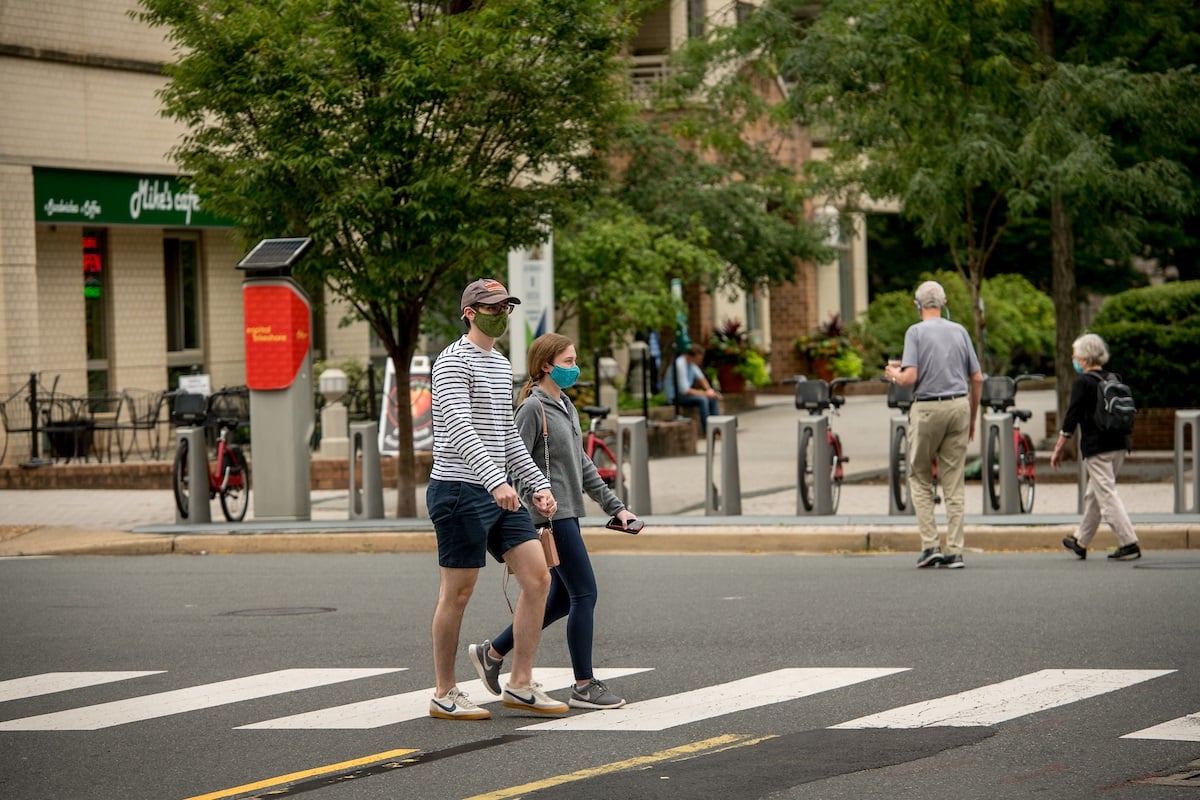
{"x":456,"y":705}
{"x":532,"y":698}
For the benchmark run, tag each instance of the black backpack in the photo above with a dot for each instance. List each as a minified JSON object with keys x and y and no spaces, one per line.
{"x":1115,"y":408}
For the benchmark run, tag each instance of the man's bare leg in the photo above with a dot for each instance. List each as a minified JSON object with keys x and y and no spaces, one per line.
{"x":529,"y":567}
{"x":453,"y":594}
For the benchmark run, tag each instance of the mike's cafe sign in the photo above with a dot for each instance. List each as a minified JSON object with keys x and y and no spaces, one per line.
{"x":111,"y":198}
{"x":278,"y":333}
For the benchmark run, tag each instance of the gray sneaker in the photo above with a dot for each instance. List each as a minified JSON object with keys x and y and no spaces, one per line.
{"x":594,"y":695}
{"x":486,"y":667}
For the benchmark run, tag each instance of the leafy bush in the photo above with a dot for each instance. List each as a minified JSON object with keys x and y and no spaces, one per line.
{"x":1019,"y":321}
{"x":1153,"y":337}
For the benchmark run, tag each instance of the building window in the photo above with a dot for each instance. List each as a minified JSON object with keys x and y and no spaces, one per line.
{"x":695,"y":18}
{"x":96,"y":305}
{"x":181,"y":273}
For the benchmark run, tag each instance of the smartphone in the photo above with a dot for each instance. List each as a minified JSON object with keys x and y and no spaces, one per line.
{"x":635,"y":526}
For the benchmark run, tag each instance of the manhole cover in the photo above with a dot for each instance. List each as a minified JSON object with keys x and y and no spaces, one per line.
{"x":1180,"y":565}
{"x":276,"y":612}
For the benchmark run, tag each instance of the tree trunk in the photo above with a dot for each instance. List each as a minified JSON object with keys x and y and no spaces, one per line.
{"x":406,"y":477}
{"x":1066,"y":306}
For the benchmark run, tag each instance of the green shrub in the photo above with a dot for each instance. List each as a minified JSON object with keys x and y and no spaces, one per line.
{"x":1019,"y":321}
{"x":1153,"y":337}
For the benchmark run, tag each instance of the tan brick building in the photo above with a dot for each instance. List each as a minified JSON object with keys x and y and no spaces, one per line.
{"x":111,"y":276}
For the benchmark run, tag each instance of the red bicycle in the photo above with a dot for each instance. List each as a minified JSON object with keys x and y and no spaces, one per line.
{"x":230,"y":479}
{"x":999,"y":393}
{"x":816,"y":397}
{"x":597,"y":450}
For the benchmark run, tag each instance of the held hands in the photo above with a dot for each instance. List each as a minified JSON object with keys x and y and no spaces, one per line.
{"x":545,"y":503}
{"x":506,"y":497}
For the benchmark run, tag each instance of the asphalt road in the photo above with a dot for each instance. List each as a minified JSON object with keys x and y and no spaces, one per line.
{"x":812,"y":642}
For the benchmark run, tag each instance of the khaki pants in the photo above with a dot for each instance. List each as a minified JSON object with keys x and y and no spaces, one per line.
{"x":941,"y":430}
{"x":1100,"y":499}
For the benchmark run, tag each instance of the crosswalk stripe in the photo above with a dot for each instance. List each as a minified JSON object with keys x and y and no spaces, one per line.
{"x":51,"y":682}
{"x":998,"y":702}
{"x":1183,"y":729}
{"x":397,"y":708}
{"x":120,"y":712}
{"x":661,"y":713}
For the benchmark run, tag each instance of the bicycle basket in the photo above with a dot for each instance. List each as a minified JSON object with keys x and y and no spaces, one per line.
{"x":231,"y":403}
{"x":899,"y":396}
{"x":812,"y":395}
{"x":999,"y":392}
{"x":189,"y":409}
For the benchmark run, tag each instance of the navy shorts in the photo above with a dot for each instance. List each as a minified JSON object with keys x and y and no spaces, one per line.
{"x":469,"y":524}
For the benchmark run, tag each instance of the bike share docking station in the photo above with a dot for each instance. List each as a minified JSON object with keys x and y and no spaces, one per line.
{"x":278,"y":338}
{"x":814,"y":482}
{"x":634,"y":492}
{"x":188,"y":413}
{"x":722,"y":481}
{"x":1002,"y":483}
{"x":899,"y":499}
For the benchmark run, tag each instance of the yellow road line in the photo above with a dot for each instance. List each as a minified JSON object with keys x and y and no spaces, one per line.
{"x":703,"y":747}
{"x":308,"y":773}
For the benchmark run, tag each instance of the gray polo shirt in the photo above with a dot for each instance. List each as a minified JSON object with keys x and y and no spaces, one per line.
{"x":942,"y":353}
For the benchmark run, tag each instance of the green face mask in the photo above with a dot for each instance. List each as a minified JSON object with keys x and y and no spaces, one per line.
{"x":493,"y":325}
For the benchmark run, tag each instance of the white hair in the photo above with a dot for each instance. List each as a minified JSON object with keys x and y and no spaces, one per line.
{"x":930,"y":294}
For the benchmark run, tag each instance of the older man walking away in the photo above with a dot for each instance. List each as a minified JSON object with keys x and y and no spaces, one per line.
{"x":939,"y":362}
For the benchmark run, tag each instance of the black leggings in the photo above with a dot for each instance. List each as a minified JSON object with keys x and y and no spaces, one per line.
{"x":572,"y":595}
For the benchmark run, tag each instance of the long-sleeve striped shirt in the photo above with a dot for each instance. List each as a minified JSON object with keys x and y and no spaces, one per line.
{"x":474,"y":439}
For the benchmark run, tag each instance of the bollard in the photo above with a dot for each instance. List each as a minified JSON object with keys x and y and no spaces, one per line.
{"x":636,"y":493}
{"x":814,"y":484}
{"x":999,"y":490}
{"x":1185,"y":420}
{"x":366,"y":474}
{"x":199,"y":511}
{"x":899,"y":498}
{"x":723,"y":498}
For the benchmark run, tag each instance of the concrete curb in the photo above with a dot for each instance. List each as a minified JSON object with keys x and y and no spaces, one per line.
{"x":713,"y":539}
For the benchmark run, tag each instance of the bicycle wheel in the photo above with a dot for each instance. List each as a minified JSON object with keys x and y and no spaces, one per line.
{"x":1026,"y":479}
{"x":991,"y":468}
{"x":899,"y":471}
{"x":235,"y":485}
{"x":808,"y":457}
{"x":835,"y":470}
{"x":179,"y":478}
{"x":606,"y":464}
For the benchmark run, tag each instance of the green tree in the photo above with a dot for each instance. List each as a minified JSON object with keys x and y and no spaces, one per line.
{"x":954,"y":111}
{"x":409,"y":139}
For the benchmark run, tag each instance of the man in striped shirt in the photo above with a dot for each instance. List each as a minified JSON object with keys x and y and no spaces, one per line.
{"x":475,"y":510}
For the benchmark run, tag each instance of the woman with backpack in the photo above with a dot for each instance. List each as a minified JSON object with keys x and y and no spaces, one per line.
{"x":1102,"y":446}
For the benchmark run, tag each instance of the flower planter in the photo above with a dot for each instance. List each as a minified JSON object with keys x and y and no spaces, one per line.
{"x":731,"y":382}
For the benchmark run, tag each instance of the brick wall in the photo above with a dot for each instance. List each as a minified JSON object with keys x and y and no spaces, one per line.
{"x":104,"y":28}
{"x":63,"y":351}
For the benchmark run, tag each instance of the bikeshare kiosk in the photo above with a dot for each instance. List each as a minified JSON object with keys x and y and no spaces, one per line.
{"x":278,"y":318}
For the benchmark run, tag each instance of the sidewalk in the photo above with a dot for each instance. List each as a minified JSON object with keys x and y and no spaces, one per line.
{"x":95,"y":521}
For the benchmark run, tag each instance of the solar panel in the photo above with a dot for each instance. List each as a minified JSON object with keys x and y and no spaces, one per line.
{"x":274,"y":254}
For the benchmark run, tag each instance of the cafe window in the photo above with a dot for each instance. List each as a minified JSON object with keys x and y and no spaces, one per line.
{"x":96,"y":307}
{"x":181,"y":273}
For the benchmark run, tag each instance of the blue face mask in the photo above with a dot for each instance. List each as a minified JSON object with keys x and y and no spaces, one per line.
{"x":565,"y":377}
{"x":1078,"y":368}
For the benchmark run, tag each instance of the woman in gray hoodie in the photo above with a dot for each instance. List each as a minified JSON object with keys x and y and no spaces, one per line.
{"x":552,"y":368}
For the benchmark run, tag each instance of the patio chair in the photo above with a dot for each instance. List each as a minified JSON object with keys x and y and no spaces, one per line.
{"x":138,"y":425}
{"x":104,"y":407}
{"x":15,"y":417}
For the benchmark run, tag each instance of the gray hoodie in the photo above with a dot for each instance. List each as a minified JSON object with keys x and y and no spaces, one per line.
{"x":571,"y":472}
